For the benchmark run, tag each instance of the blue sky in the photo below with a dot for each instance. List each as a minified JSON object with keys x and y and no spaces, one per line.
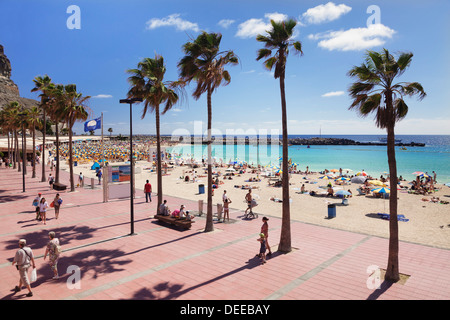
{"x":116,"y":35}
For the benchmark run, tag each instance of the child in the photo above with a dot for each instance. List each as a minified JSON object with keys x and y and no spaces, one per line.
{"x":262,"y":250}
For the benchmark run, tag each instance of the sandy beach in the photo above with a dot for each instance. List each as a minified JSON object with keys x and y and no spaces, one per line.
{"x":429,"y":223}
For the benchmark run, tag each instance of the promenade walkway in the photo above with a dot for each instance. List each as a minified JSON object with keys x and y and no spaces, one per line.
{"x":164,"y":263}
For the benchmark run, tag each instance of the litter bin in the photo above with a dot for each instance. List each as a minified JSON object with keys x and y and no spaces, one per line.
{"x":331,"y":211}
{"x":75,"y":163}
{"x":201,"y":188}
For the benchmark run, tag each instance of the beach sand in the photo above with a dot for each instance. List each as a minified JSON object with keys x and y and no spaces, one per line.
{"x":428,"y":222}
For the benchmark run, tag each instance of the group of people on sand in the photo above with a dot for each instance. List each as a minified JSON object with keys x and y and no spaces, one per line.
{"x":41,"y":206}
{"x":423,"y":185}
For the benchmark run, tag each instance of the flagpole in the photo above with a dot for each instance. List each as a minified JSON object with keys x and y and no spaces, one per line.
{"x":103,"y":148}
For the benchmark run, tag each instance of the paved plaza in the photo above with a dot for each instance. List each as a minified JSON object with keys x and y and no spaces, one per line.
{"x":165,"y":263}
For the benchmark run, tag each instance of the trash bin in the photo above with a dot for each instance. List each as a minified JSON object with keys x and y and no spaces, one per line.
{"x":201,"y":188}
{"x":331,"y":211}
{"x":75,"y":163}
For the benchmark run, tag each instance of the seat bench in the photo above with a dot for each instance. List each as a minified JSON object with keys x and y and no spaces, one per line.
{"x":183,"y":223}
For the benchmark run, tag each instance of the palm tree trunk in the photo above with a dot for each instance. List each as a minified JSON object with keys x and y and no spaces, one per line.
{"x":57,"y":152}
{"x":33,"y":161}
{"x":43,"y":148}
{"x":392,"y":270}
{"x":209,"y":211}
{"x":158,"y":159}
{"x":9,"y":150}
{"x":24,"y":156}
{"x":72,"y":183}
{"x":17,"y":153}
{"x":285,"y":237}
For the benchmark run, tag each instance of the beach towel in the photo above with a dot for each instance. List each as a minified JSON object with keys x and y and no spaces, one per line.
{"x":400,"y":217}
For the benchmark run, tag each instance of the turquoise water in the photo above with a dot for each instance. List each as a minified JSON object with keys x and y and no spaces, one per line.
{"x":435,"y":156}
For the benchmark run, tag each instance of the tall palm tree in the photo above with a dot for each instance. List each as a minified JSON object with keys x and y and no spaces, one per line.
{"x":42,"y":84}
{"x":110,"y":130}
{"x":147,"y":82}
{"x":277,"y":43}
{"x":74,"y":110}
{"x":56,"y":104}
{"x":375,"y":92}
{"x":205,"y":64}
{"x":11,"y":115}
{"x":34,"y":121}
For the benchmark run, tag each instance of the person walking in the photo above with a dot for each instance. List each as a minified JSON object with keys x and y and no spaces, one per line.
{"x":43,"y":205}
{"x":81,"y":179}
{"x":148,"y":191}
{"x":226,"y":209}
{"x":36,"y":203}
{"x":53,"y":251}
{"x":265,"y":231}
{"x":57,"y":201}
{"x":262,"y":249}
{"x":99,"y":175}
{"x":51,"y":180}
{"x":248,"y":199}
{"x":24,"y":259}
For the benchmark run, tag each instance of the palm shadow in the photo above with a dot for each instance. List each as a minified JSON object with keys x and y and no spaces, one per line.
{"x":167,"y":291}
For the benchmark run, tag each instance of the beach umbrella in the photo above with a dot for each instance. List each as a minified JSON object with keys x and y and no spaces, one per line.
{"x":359,"y":179}
{"x":349,"y":170}
{"x":376,"y":182}
{"x":361,"y":173}
{"x":343,"y":179}
{"x":326,"y":177}
{"x":423,"y":175}
{"x":343,"y":193}
{"x":381,"y":190}
{"x":334,"y":170}
{"x":418,"y":173}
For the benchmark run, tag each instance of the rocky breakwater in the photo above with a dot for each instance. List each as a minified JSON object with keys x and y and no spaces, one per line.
{"x":345,"y":142}
{"x":9,"y":91}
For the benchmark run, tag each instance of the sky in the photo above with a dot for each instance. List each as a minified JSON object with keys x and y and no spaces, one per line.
{"x":92,"y":43}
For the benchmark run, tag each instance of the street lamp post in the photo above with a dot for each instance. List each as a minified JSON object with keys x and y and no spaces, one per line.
{"x":130,"y":102}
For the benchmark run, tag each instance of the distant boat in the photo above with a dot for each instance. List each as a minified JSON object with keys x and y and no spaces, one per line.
{"x":385,"y":140}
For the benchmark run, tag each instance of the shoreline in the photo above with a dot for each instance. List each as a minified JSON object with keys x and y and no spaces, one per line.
{"x":361,"y":215}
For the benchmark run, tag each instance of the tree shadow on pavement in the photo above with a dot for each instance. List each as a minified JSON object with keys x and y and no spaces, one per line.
{"x":167,"y":291}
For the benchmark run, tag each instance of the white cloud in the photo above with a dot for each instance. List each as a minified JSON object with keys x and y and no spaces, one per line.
{"x":102,"y":96}
{"x":176,"y":110}
{"x":333,"y":94}
{"x":253,"y":27}
{"x":325,"y":13}
{"x":354,"y":39}
{"x":172,"y":20}
{"x":225,"y":23}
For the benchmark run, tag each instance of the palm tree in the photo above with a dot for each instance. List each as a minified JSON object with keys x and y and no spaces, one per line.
{"x":74,"y":110}
{"x":11,"y":114}
{"x":277,"y":43}
{"x":375,"y":92}
{"x":205,"y":64}
{"x":147,"y":83}
{"x":56,"y":104}
{"x":42,"y":84}
{"x":110,"y":130}
{"x":34,"y":114}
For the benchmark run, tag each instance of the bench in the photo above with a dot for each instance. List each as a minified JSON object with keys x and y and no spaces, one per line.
{"x":59,"y":186}
{"x":183,"y":223}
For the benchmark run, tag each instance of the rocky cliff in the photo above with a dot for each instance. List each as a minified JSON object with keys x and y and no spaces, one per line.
{"x":8,"y":89}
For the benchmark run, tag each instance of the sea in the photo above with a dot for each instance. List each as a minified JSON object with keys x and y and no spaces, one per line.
{"x":434,"y":156}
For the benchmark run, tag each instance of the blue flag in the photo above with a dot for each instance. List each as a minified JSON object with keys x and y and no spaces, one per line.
{"x":93,"y":124}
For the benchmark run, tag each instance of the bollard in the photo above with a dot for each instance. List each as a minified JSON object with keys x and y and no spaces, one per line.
{"x":92,"y":183}
{"x":219,"y":211}
{"x":200,"y":207}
